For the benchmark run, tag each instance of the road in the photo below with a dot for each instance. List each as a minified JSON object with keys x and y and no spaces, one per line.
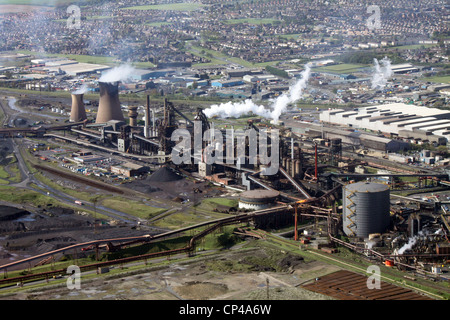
{"x":28,"y":178}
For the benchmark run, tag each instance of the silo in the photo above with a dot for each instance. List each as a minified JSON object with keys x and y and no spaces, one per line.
{"x":258,"y":199}
{"x":366,"y":208}
{"x":77,"y":113}
{"x":109,"y":104}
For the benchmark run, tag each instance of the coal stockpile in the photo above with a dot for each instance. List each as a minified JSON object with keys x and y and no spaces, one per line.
{"x":11,"y":213}
{"x":164,"y":174}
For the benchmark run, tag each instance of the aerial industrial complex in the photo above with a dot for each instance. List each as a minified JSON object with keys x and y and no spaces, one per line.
{"x":306,"y":171}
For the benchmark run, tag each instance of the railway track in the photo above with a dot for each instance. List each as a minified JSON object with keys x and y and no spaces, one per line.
{"x":211,"y":227}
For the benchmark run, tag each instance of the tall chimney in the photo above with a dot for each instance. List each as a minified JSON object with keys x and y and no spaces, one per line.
{"x":77,"y":113}
{"x":109,"y":104}
{"x":132,"y":114}
{"x":147,"y":118}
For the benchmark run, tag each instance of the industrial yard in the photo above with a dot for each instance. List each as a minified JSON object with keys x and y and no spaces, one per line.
{"x":329,"y":199}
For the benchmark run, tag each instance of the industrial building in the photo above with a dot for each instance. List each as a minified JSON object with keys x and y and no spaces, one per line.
{"x":129,"y":169}
{"x":350,"y":137}
{"x":227,"y":83}
{"x":404,"y":120}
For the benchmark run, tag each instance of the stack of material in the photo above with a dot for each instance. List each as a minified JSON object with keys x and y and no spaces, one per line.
{"x":164,"y":174}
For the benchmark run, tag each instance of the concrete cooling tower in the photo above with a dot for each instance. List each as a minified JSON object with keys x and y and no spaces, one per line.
{"x":77,"y":113}
{"x":109,"y":104}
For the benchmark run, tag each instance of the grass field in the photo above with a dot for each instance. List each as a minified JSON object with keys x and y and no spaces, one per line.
{"x":158,"y":24}
{"x":217,"y":56}
{"x":168,"y":7}
{"x":341,"y":68}
{"x":441,"y":79}
{"x":136,"y":208}
{"x":109,"y":61}
{"x":414,"y":46}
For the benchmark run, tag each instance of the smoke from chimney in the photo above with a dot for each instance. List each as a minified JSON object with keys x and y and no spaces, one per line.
{"x":279,"y":105}
{"x":82,"y":90}
{"x":381,"y":73}
{"x":116,"y":74}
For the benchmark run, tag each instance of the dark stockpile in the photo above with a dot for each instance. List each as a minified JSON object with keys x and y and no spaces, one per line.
{"x":11,"y":213}
{"x":164,"y":174}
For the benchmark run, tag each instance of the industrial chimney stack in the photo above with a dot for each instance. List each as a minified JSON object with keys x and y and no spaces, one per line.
{"x":132,"y":114}
{"x":109,"y":104}
{"x":77,"y":113}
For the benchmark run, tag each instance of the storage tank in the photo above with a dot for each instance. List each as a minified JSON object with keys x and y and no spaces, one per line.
{"x":366,"y":208}
{"x":258,"y":199}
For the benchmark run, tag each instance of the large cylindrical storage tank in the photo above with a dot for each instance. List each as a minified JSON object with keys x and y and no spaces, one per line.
{"x":258,"y":199}
{"x":366,"y":208}
{"x":109,"y":104}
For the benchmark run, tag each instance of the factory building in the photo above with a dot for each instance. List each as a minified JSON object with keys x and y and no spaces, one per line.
{"x":400,"y":119}
{"x":227,"y":83}
{"x":88,"y":158}
{"x":129,"y":169}
{"x":353,"y":137}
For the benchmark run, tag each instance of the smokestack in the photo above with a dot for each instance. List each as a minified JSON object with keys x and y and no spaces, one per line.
{"x":132,"y":114}
{"x":77,"y":113}
{"x":109,"y":104}
{"x":147,"y":118}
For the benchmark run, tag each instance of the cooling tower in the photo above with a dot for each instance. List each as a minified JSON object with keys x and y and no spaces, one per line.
{"x":77,"y":113}
{"x":109,"y":104}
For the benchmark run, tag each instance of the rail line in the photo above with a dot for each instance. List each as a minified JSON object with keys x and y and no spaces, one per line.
{"x":215,"y":224}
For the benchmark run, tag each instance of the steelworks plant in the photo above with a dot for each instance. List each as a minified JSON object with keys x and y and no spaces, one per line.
{"x":316,"y":185}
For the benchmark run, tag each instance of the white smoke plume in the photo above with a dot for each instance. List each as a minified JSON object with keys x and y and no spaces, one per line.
{"x":412,"y":241}
{"x":381,"y":73}
{"x":409,"y":245}
{"x":278,"y":106}
{"x":120,"y":73}
{"x":82,"y":90}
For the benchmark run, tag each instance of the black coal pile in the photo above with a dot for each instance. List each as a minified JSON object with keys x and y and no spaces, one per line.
{"x":11,"y":213}
{"x":164,"y":174}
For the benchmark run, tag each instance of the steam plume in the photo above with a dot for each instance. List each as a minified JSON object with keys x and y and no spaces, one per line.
{"x":381,"y":73}
{"x":278,"y":106}
{"x":82,"y":90}
{"x":120,"y":73}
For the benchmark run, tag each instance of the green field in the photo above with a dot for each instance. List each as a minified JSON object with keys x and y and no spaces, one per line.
{"x":104,"y":60}
{"x":168,"y":7}
{"x":158,"y":24}
{"x":341,"y":68}
{"x":438,"y":79}
{"x":414,"y":46}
